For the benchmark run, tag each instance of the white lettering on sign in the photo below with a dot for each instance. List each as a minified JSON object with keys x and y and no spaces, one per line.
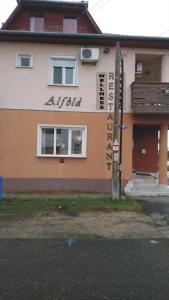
{"x":105,"y":91}
{"x":101,"y":92}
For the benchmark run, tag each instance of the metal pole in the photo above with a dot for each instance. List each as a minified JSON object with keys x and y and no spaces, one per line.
{"x":121,"y":128}
{"x":115,"y":158}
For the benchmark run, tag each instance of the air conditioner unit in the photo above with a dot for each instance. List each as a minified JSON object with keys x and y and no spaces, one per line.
{"x":89,"y":55}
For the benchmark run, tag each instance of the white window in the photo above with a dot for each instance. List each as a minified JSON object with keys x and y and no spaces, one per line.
{"x":61,"y":141}
{"x":24,"y":60}
{"x":63,"y":70}
{"x":37,"y":24}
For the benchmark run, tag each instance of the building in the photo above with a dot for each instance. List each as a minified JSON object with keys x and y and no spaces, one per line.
{"x":57,"y":100}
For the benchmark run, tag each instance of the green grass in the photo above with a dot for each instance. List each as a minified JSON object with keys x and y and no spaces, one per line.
{"x":43,"y":204}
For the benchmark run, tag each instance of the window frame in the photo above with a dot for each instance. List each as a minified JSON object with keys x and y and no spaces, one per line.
{"x":56,"y":58}
{"x":83,"y":128}
{"x":26,"y":55}
{"x":69,"y":18}
{"x":33,"y":23}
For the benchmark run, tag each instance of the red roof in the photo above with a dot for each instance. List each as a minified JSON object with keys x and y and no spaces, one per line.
{"x":79,"y":7}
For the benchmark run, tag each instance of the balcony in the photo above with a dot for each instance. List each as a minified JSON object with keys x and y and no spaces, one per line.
{"x":150,"y":98}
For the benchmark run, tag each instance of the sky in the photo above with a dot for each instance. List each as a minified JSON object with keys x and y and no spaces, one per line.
{"x":129,"y":17}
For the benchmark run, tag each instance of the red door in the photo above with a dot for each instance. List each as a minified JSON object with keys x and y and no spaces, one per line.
{"x":145,"y":149}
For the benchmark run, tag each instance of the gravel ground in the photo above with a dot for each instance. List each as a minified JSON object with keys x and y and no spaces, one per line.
{"x":84,"y":225}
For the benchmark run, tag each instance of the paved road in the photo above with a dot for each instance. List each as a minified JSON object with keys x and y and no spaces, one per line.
{"x":95,"y":269}
{"x":158,"y":209}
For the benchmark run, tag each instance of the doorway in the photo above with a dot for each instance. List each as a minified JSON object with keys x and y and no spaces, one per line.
{"x":145,"y":149}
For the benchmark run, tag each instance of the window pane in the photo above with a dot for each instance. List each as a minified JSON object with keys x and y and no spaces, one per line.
{"x":62,"y":141}
{"x":62,"y":70}
{"x":76,"y":142}
{"x":70,"y":25}
{"x":25,"y":61}
{"x":37,"y":23}
{"x":47,"y":145}
{"x":57,"y":75}
{"x":69,"y":76}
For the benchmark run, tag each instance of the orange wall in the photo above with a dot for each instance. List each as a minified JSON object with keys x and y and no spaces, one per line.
{"x":18,"y":147}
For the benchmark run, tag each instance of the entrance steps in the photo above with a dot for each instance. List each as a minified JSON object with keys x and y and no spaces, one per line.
{"x":145,"y":185}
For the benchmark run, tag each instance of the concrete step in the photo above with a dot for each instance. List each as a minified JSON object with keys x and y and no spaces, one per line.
{"x":150,"y":180}
{"x":147,"y":193}
{"x":145,"y":188}
{"x":151,"y":185}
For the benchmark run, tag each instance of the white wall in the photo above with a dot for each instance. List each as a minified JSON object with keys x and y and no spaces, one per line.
{"x":28,"y":88}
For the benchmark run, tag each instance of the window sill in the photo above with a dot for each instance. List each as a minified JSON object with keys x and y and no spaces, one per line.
{"x":62,"y":85}
{"x":21,"y":67}
{"x":61,"y":156}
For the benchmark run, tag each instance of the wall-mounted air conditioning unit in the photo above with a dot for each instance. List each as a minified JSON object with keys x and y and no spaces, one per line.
{"x":89,"y":55}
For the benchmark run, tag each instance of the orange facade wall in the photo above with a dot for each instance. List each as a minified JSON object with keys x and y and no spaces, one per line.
{"x":18,"y":148}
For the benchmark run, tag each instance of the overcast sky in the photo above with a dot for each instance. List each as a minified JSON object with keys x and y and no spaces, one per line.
{"x":132,"y":17}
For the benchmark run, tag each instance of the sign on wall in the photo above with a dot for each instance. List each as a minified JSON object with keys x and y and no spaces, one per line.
{"x":105,"y":91}
{"x":109,"y":141}
{"x":101,"y":91}
{"x":61,"y":102}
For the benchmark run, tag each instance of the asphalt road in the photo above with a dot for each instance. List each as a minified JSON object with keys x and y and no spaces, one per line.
{"x":158,"y":209}
{"x":156,"y":205}
{"x":99,"y":269}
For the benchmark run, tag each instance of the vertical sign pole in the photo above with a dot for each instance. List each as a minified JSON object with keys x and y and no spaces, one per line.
{"x":115,"y":160}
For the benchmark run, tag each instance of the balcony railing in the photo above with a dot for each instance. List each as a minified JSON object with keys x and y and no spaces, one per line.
{"x":150,"y":98}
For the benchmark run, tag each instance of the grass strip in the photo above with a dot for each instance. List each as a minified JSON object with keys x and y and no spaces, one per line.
{"x":69,"y":204}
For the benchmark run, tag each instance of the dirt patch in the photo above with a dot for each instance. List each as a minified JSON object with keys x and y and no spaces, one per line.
{"x":87,"y":224}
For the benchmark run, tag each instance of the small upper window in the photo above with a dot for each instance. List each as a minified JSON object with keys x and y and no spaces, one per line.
{"x":70,"y":25}
{"x":24,"y":60}
{"x":37,"y":24}
{"x":63,"y":70}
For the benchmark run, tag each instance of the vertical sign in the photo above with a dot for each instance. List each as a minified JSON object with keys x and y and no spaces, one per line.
{"x":110,"y":98}
{"x":105,"y":91}
{"x":101,"y":92}
{"x":109,"y":138}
